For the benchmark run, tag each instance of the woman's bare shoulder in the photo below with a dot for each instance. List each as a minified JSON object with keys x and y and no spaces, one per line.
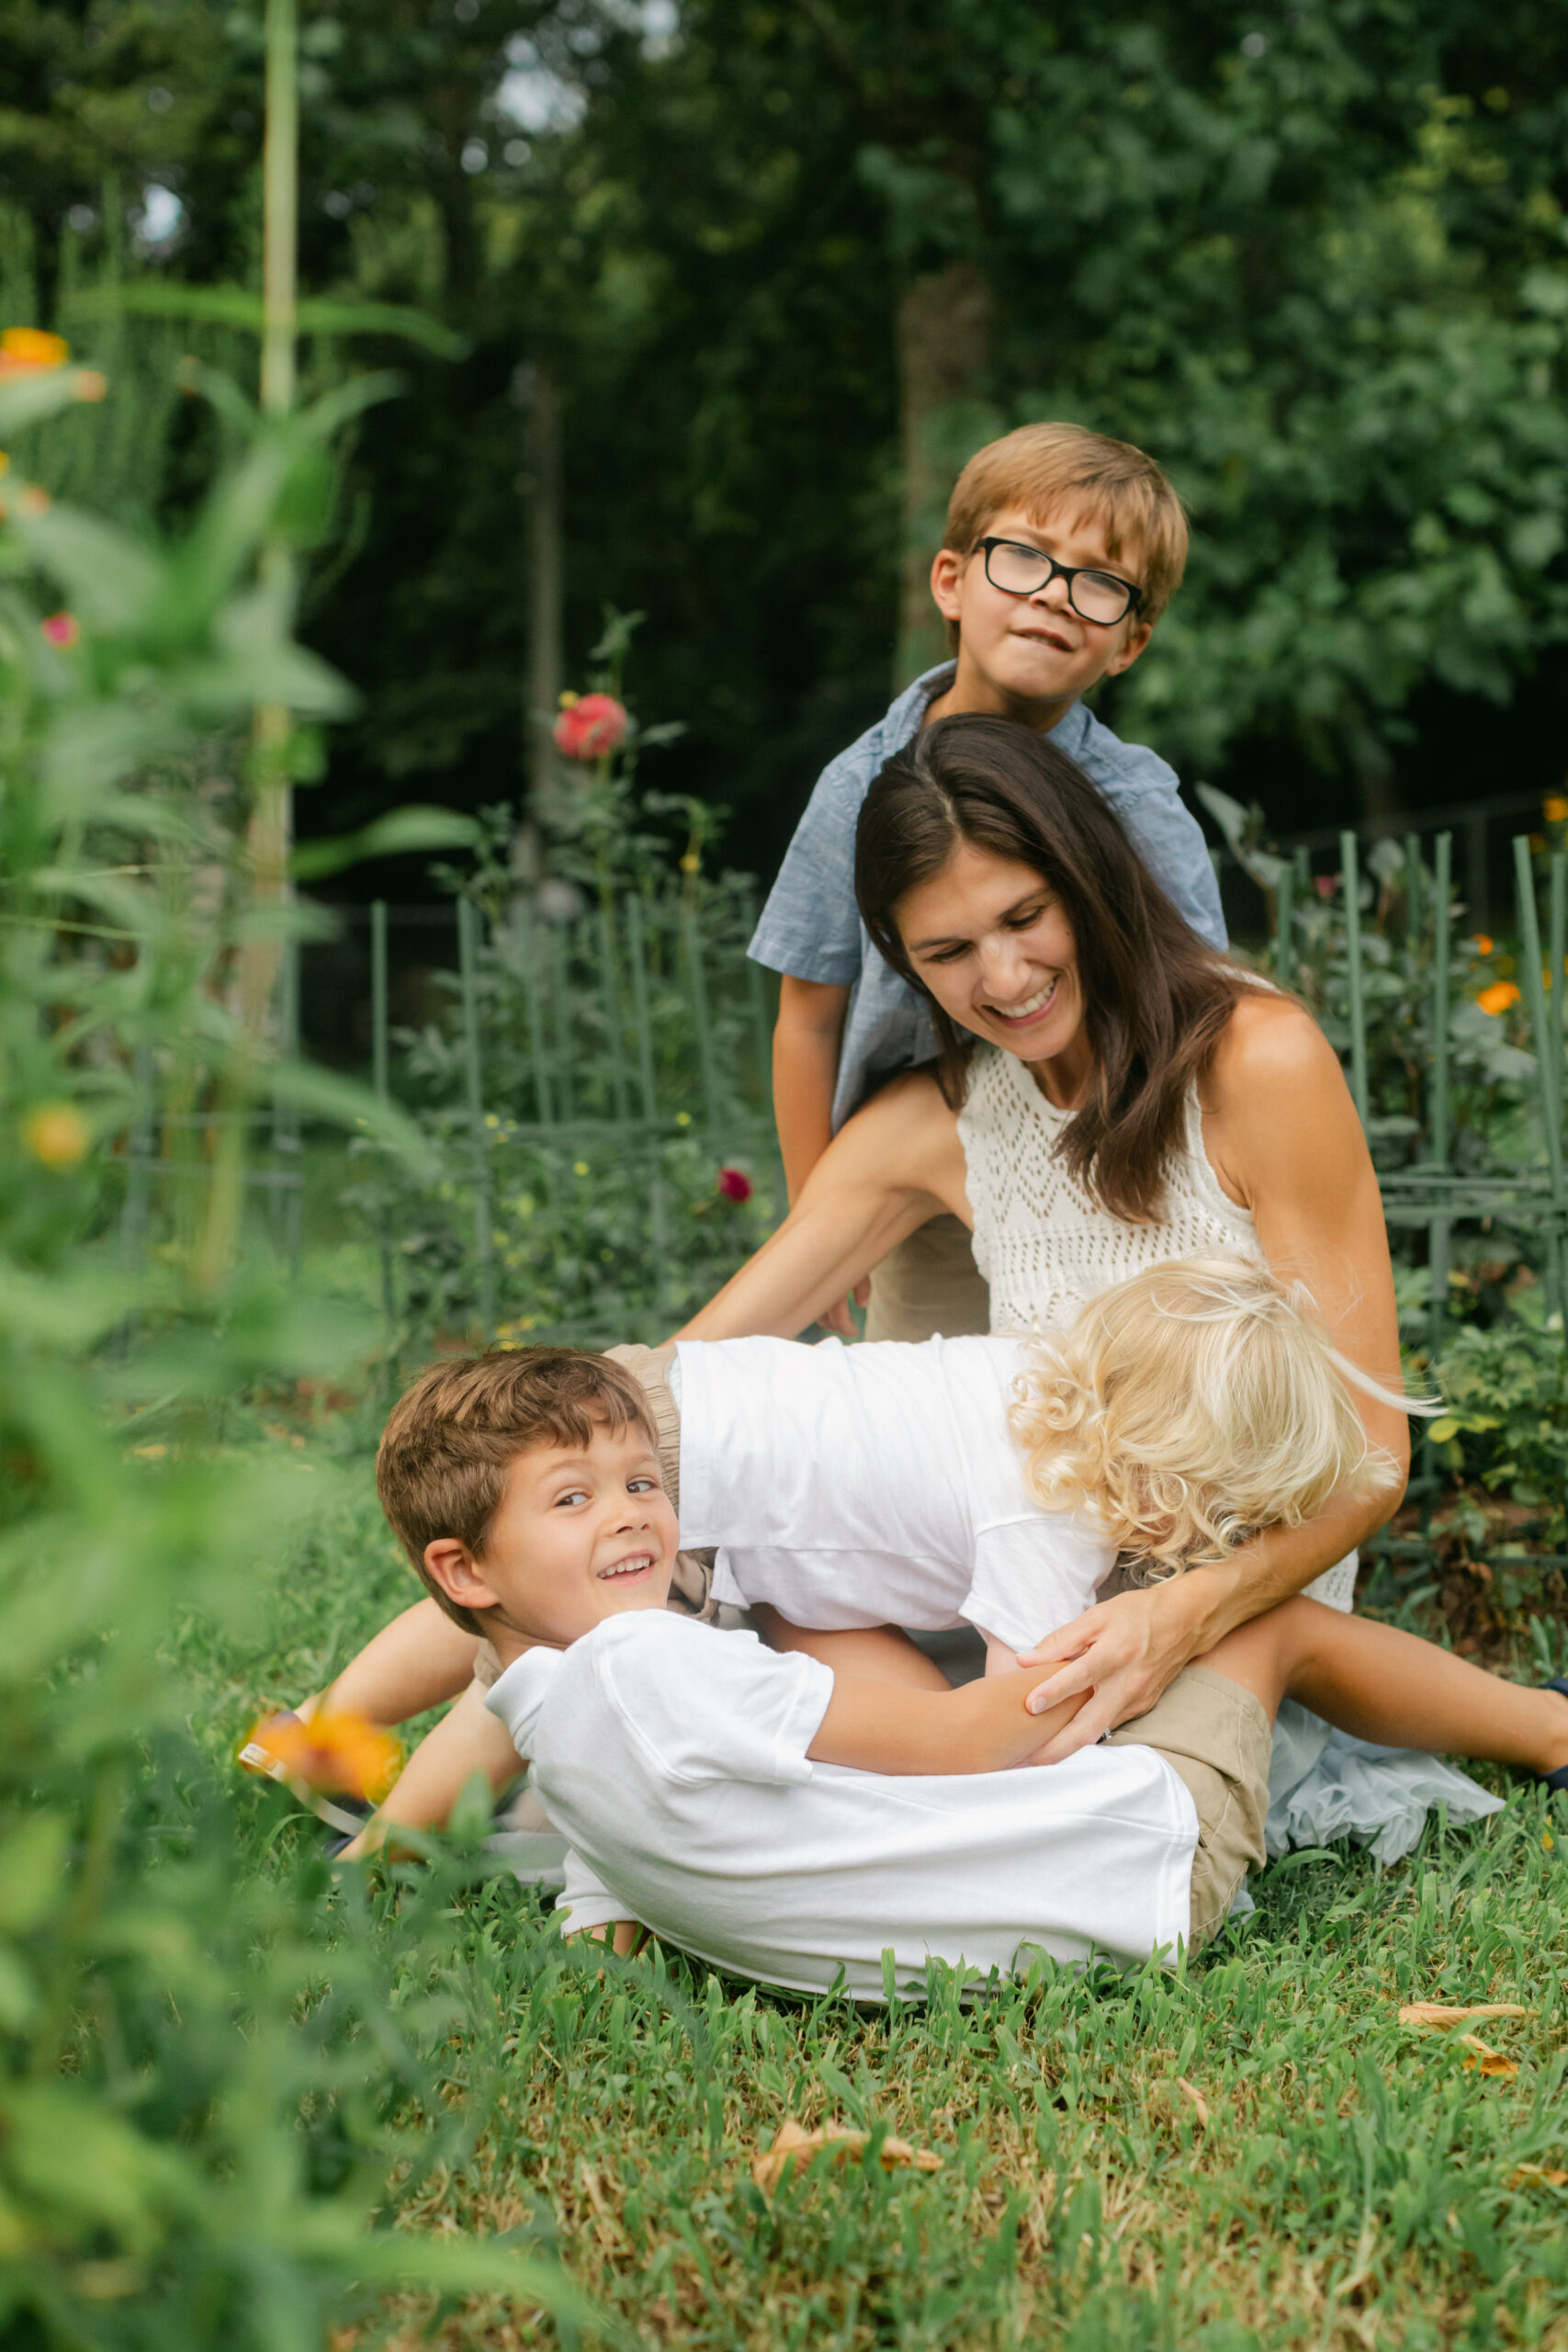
{"x":1271,"y":1044}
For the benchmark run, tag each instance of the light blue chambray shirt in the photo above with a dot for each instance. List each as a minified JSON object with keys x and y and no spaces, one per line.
{"x":811,"y":926}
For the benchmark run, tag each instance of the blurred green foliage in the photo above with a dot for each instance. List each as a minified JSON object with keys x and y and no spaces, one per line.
{"x":1315,"y":262}
{"x":207,"y":2066}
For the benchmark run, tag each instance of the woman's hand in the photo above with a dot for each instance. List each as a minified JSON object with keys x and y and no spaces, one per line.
{"x":1126,"y":1652}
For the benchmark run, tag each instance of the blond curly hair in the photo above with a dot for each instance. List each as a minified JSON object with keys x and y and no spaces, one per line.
{"x":1192,"y":1406}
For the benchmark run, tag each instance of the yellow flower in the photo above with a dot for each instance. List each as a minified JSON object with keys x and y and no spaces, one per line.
{"x":56,"y":1134}
{"x":1498,"y":997}
{"x":26,"y":350}
{"x":691,"y":862}
{"x":343,"y":1752}
{"x":580,"y":1168}
{"x":683,"y":1118}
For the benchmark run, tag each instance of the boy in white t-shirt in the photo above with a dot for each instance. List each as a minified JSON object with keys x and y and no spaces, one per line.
{"x":683,"y":1763}
{"x":789,"y":1821}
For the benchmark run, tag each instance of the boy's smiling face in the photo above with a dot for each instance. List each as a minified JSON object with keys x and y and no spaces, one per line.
{"x":582,"y":1534}
{"x":1028,"y":657}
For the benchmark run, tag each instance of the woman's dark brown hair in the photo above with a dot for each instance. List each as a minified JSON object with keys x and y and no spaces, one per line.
{"x":1156,"y":998}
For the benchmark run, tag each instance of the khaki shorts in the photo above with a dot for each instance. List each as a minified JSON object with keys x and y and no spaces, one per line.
{"x":929,"y":1283}
{"x":1216,"y":1736}
{"x":690,"y":1593}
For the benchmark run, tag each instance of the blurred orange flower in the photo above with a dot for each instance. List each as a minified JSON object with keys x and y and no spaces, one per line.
{"x":1498,"y":997}
{"x":26,"y":351}
{"x":1481,"y":942}
{"x":346,"y":1753}
{"x":56,"y":1134}
{"x":1555,"y":809}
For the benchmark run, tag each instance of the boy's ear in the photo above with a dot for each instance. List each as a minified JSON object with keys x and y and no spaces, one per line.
{"x":947,"y":573}
{"x":1127,"y":652}
{"x":459,"y":1575}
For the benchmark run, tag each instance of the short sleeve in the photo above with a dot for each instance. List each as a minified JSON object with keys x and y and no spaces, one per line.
{"x":706,"y":1705}
{"x":1170,"y":840}
{"x":1034,"y":1575}
{"x":517,"y":1696}
{"x":810,"y":925}
{"x":585,"y":1901}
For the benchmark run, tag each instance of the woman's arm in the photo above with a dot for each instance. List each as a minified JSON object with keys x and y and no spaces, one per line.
{"x":984,"y":1727}
{"x":895,"y":1164}
{"x":1284,"y":1140}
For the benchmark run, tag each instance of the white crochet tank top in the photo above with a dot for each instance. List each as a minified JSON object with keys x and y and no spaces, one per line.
{"x":1045,"y":1246}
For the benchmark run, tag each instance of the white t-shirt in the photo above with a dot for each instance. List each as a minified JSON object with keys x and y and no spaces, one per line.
{"x":673,"y":1757}
{"x":875,"y":1485}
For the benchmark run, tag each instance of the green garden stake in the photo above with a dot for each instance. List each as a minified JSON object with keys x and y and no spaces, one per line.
{"x":560,"y":992}
{"x":1412,"y":878}
{"x":380,"y":1079}
{"x":1442,"y":939}
{"x":1548,"y":1075}
{"x":289,"y":1189}
{"x":1439,"y":1230}
{"x":1301,"y":862}
{"x":379,"y":1063}
{"x":1351,"y":878}
{"x":692,"y":938}
{"x":620,"y":1107}
{"x":468,"y":955}
{"x":1284,"y":927}
{"x":1557,"y":952}
{"x":637,"y":942}
{"x":533,"y":1013}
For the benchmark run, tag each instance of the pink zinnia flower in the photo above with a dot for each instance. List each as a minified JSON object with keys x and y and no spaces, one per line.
{"x":589,"y":726}
{"x":734,"y":1185}
{"x":62,"y":628}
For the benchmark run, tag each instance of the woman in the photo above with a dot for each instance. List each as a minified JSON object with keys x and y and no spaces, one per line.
{"x":1110,"y":1093}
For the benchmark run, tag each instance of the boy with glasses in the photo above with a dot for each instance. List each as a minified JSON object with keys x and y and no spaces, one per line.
{"x":1062,"y":549}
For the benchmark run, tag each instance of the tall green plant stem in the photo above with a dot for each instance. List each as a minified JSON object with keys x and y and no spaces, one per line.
{"x":270,"y":831}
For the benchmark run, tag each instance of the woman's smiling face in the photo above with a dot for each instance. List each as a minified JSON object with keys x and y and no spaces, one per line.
{"x":991,"y":941}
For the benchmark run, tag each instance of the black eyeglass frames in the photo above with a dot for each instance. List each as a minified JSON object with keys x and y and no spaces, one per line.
{"x":1021,"y":570}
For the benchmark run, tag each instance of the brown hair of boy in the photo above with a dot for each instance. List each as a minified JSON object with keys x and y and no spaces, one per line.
{"x":450,"y":1440}
{"x":1042,"y":467}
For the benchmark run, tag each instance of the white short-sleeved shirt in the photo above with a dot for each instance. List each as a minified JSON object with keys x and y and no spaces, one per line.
{"x":673,"y":1757}
{"x":875,"y":1485}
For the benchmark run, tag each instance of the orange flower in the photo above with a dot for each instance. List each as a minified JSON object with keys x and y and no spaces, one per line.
{"x":1554,"y":808}
{"x":1498,"y":997}
{"x":56,"y":1134}
{"x":1481,"y":942}
{"x":342,"y":1752}
{"x":29,"y":351}
{"x":91,"y":385}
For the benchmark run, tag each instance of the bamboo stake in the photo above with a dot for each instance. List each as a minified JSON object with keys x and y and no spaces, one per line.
{"x":380,"y":1079}
{"x":270,"y":829}
{"x":467,"y":953}
{"x":1351,"y":875}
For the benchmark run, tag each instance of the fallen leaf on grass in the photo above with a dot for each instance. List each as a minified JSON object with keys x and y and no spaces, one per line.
{"x":1436,"y":2018}
{"x":1487,"y":2061}
{"x":793,"y":2145}
{"x":1523,"y":2176}
{"x":1198,"y":2101}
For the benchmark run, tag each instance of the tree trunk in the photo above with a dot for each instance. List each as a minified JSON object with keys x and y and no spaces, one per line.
{"x":534,"y":390}
{"x":945,"y":331}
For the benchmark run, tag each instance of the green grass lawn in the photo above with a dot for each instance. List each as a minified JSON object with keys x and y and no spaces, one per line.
{"x":1255,"y":2152}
